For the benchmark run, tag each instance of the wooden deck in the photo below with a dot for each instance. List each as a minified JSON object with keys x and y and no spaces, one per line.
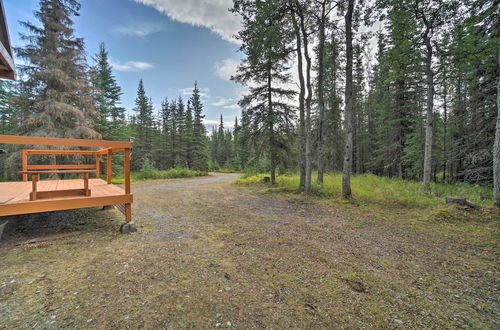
{"x":15,"y":196}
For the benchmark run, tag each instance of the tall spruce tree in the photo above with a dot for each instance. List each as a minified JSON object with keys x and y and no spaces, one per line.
{"x":173,"y":126}
{"x":189,"y":135}
{"x":333,"y":134}
{"x":221,"y":144}
{"x":199,"y":140}
{"x":166,"y":151}
{"x":180,"y":135}
{"x":111,"y":117}
{"x":8,"y":109}
{"x":266,"y":41}
{"x":394,"y":101}
{"x":322,"y":22}
{"x":56,"y":96}
{"x":144,"y":129}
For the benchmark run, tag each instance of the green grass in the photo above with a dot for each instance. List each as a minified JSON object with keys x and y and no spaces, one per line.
{"x":173,"y":173}
{"x":369,"y":188}
{"x":226,"y":170}
{"x":403,"y":203}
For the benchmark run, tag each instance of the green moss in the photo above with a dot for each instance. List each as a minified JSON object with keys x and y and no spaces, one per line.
{"x":222,"y":232}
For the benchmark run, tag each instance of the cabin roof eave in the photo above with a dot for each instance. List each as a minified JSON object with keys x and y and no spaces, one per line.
{"x":7,"y":67}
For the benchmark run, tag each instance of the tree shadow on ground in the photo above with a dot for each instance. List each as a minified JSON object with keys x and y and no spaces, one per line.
{"x":32,"y":228}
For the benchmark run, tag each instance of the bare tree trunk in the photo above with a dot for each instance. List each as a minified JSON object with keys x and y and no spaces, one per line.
{"x":272,"y":140}
{"x":308,"y":103}
{"x":429,"y":111}
{"x":335,"y":111}
{"x":496,"y":151}
{"x":321,"y":99}
{"x":346,"y":173}
{"x":302,"y":122}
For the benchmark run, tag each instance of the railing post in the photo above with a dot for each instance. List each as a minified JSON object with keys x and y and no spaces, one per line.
{"x":126,"y":173}
{"x":34,"y":180}
{"x":97,"y":166}
{"x":25,"y":165}
{"x":109,"y":167}
{"x":86,"y":184}
{"x":126,"y":170}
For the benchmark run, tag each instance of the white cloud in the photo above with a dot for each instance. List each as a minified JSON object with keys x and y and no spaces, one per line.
{"x":140,"y":29}
{"x":131,"y":66}
{"x":212,"y":14}
{"x":209,"y":123}
{"x":226,"y":68}
{"x":232,"y":106}
{"x":222,"y":101}
{"x":204,"y":91}
{"x":219,"y":103}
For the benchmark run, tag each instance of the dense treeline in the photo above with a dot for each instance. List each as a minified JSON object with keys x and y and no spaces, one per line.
{"x":174,"y":138}
{"x":61,"y":95}
{"x":398,"y":88}
{"x":422,"y":105}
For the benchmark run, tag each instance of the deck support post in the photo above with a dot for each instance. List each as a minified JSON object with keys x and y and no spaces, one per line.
{"x":25,"y":165}
{"x":109,"y":167}
{"x":126,"y":169}
{"x":128,"y":212}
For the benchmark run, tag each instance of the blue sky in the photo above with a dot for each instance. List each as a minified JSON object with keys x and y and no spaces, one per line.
{"x":167,"y":43}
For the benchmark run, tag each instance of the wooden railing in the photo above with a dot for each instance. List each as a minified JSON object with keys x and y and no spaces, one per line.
{"x":26,"y":167}
{"x":108,"y":148}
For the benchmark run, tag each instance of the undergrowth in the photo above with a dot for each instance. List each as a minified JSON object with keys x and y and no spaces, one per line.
{"x":152,"y":174}
{"x":369,"y":188}
{"x":226,"y":170}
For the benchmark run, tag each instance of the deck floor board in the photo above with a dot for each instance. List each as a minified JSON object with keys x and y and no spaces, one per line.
{"x":14,"y":196}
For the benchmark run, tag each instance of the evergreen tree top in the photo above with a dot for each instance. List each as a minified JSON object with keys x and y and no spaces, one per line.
{"x":56,"y":94}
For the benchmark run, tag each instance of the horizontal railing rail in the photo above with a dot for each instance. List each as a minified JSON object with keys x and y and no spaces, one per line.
{"x":62,"y":167}
{"x":104,"y":147}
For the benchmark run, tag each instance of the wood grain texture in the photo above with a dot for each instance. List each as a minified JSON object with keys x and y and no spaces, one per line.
{"x":61,"y":167}
{"x":45,"y":141}
{"x":15,"y":196}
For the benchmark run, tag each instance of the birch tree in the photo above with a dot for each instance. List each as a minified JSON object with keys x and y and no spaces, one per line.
{"x":346,"y":172}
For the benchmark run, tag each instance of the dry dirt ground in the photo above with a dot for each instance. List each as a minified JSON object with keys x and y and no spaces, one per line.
{"x":211,"y":254}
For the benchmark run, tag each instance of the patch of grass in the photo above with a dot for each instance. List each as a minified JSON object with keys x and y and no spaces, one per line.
{"x":221,"y":232}
{"x":402,"y":203}
{"x":173,"y":173}
{"x":369,"y":188}
{"x":226,"y":170}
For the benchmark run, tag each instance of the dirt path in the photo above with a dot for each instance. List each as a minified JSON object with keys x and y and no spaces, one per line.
{"x":211,"y":254}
